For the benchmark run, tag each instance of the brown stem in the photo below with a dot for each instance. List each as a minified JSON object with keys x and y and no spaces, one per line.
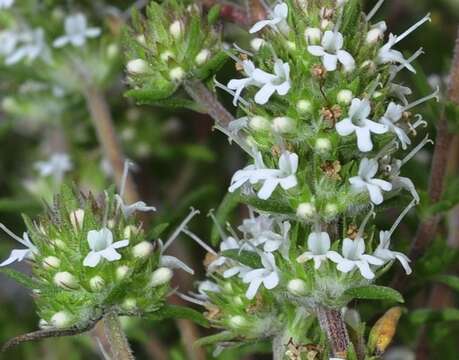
{"x":442,"y":152}
{"x":119,"y":344}
{"x":105,"y":129}
{"x":332,"y":324}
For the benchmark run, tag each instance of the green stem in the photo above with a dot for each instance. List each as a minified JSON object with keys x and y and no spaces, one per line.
{"x":118,"y":342}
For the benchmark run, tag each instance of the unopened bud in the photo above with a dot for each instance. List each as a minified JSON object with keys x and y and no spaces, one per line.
{"x":331,"y":210}
{"x":141,"y":39}
{"x":259,"y":123}
{"x":306,"y":210}
{"x":142,"y":249}
{"x":129,"y":304}
{"x":77,"y":219}
{"x":323,"y":145}
{"x":166,"y":56}
{"x":66,"y":280}
{"x":202,"y":57}
{"x":61,"y":319}
{"x":176,"y":29}
{"x":161,"y":276}
{"x":304,"y":106}
{"x":137,"y":66}
{"x":237,"y":322}
{"x":257,"y":43}
{"x":129,"y":231}
{"x":51,"y":262}
{"x":312,"y":35}
{"x":121,"y":272}
{"x":283,"y":125}
{"x":297,"y":287}
{"x":96,"y":283}
{"x":177,"y":74}
{"x":344,"y":97}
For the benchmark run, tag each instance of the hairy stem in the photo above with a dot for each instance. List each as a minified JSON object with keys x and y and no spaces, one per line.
{"x":201,"y":95}
{"x":278,"y":348}
{"x":105,"y":129}
{"x":118,"y":342}
{"x":332,"y":324}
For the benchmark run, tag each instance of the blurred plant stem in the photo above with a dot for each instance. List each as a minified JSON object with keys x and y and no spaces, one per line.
{"x":119,"y":344}
{"x":332,"y":324}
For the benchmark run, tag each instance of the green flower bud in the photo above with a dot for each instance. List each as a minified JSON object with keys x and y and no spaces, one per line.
{"x":121,"y":272}
{"x":142,"y":250}
{"x":96,"y":283}
{"x":323,"y":146}
{"x":51,"y":262}
{"x":129,"y":304}
{"x":283,"y":125}
{"x":297,"y":287}
{"x":61,"y":319}
{"x":161,"y":276}
{"x":344,"y":97}
{"x":66,"y":280}
{"x":137,"y":66}
{"x":202,"y":57}
{"x":176,"y":29}
{"x":304,"y":106}
{"x":259,"y":123}
{"x":77,"y":219}
{"x":238,"y":322}
{"x":306,"y":211}
{"x":177,"y":74}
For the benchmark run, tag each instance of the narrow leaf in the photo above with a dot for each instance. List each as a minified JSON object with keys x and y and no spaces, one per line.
{"x":375,"y":292}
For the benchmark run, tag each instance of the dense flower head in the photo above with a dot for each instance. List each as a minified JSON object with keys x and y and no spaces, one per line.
{"x":90,"y":256}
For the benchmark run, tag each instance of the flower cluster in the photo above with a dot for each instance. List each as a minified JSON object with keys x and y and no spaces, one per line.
{"x":91,"y":256}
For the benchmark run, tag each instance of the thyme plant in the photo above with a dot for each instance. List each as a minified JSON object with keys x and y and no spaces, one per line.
{"x":327,"y":130}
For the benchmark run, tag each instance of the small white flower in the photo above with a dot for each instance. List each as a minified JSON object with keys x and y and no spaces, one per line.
{"x":128,"y":210}
{"x":359,"y":123}
{"x":331,"y":51}
{"x":384,"y":253}
{"x":76,"y":31}
{"x":400,"y":92}
{"x":278,"y":82}
{"x":31,"y":45}
{"x":284,"y":176}
{"x":8,"y":42}
{"x":365,"y":181}
{"x":277,"y":21}
{"x":228,"y":243}
{"x":354,"y":257}
{"x":240,"y":84}
{"x":102,"y":246}
{"x":19,"y":254}
{"x":319,"y":249}
{"x":57,"y":165}
{"x":392,"y":116}
{"x":5,"y":4}
{"x":268,"y":276}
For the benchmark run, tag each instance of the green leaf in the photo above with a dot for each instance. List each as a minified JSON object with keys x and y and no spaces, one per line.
{"x":21,"y":278}
{"x":193,"y":42}
{"x":272,"y":206}
{"x":179,"y":312}
{"x":229,"y":203}
{"x":351,"y":353}
{"x":449,"y":280}
{"x":153,"y":91}
{"x":248,"y":258}
{"x":214,"y":14}
{"x":351,"y":17}
{"x":211,"y":66}
{"x":178,"y":102}
{"x":212,"y":339}
{"x":375,"y":292}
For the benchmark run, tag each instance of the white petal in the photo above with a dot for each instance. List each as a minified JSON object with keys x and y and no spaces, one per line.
{"x":316,"y":50}
{"x":346,"y":59}
{"x":61,"y":41}
{"x":271,"y":281}
{"x":268,"y":188}
{"x":120,"y":244}
{"x":375,"y":194}
{"x":264,"y":94}
{"x":345,"y":266}
{"x":384,"y":185}
{"x":376,"y":127}
{"x":92,"y":259}
{"x":262,"y":76}
{"x":16,"y":255}
{"x":404,"y":261}
{"x":253,"y":288}
{"x":281,"y":11}
{"x":364,"y":142}
{"x":110,"y":254}
{"x":259,"y":25}
{"x":172,"y":262}
{"x":348,"y":247}
{"x":345,"y":127}
{"x":330,"y":61}
{"x":365,"y":270}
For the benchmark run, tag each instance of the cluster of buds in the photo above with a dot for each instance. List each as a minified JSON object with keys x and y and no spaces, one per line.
{"x":90,"y":256}
{"x":172,"y":44}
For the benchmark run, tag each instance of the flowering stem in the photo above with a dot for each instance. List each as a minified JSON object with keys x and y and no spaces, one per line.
{"x":199,"y":93}
{"x":116,"y":337}
{"x":332,"y":324}
{"x":103,"y":123}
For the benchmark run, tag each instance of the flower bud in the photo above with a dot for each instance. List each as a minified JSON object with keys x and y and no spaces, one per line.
{"x":291,"y":45}
{"x":9,"y":104}
{"x":61,"y":319}
{"x":297,"y":287}
{"x":142,"y":250}
{"x":257,"y":43}
{"x":238,"y":301}
{"x":121,"y":272}
{"x":306,"y":210}
{"x":65,"y":280}
{"x":96,"y":283}
{"x":376,"y":33}
{"x":137,"y":66}
{"x":177,"y":74}
{"x":129,"y":304}
{"x":161,"y":276}
{"x":51,"y":262}
{"x":129,"y":231}
{"x":323,"y":146}
{"x":283,"y":125}
{"x":237,"y":321}
{"x":176,"y":29}
{"x":312,"y":35}
{"x":166,"y":56}
{"x":304,"y":106}
{"x":331,"y":210}
{"x":77,"y":218}
{"x":344,"y":97}
{"x":202,"y":57}
{"x":141,"y":39}
{"x":259,"y":123}
{"x":43,"y":324}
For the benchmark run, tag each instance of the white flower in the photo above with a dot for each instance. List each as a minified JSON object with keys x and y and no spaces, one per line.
{"x":359,"y":123}
{"x":239,"y":84}
{"x":5,"y":4}
{"x":384,"y":253}
{"x":271,"y":178}
{"x":76,"y":32}
{"x":128,"y":210}
{"x":19,"y":254}
{"x":57,"y":165}
{"x":270,"y":83}
{"x":365,"y":181}
{"x":354,"y":257}
{"x":206,"y":287}
{"x":102,"y":246}
{"x":278,"y":19}
{"x":229,"y":243}
{"x":319,"y":249}
{"x":331,"y":52}
{"x":8,"y":42}
{"x":172,"y":262}
{"x":393,"y":115}
{"x":400,"y":92}
{"x":312,"y":35}
{"x":268,"y":276}
{"x":31,"y":45}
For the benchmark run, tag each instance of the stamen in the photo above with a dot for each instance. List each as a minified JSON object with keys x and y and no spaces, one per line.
{"x":215,"y":221}
{"x":374,"y":10}
{"x":434,"y":95}
{"x":413,"y":152}
{"x":179,"y":229}
{"x":231,"y":92}
{"x":241,"y":50}
{"x":200,"y":242}
{"x":127,"y":164}
{"x":419,"y":122}
{"x":190,"y":299}
{"x":401,"y":216}
{"x":365,"y":221}
{"x":413,"y":28}
{"x":407,"y":62}
{"x":12,"y":234}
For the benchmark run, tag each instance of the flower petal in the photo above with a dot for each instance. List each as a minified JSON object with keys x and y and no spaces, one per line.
{"x":92,"y":259}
